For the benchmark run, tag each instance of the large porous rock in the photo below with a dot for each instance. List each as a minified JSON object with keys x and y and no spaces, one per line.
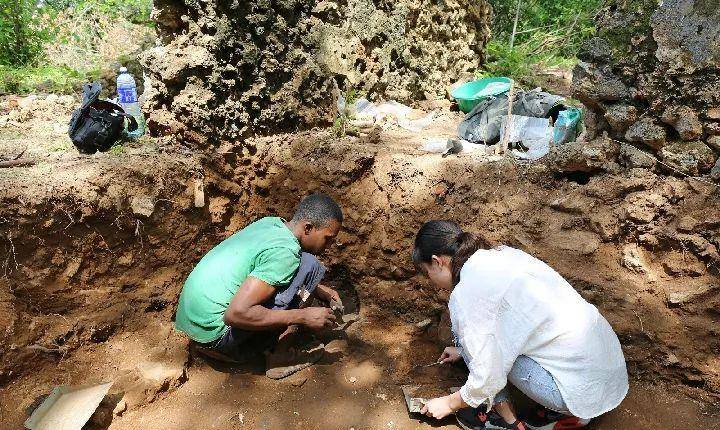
{"x":648,"y":132}
{"x":692,"y":158}
{"x":684,"y":120}
{"x":620,"y":116}
{"x":667,"y":55}
{"x":229,"y":69}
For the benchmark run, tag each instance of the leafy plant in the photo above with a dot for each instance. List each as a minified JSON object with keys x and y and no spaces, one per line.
{"x":21,"y":39}
{"x":548,"y":34}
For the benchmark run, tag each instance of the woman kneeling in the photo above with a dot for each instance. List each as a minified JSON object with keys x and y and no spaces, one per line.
{"x":516,"y":319}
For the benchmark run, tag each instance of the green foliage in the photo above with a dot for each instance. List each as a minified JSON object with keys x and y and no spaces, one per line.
{"x":571,"y":18}
{"x":135,"y":11}
{"x":48,"y":79}
{"x":21,"y":39}
{"x":117,"y":150}
{"x":56,"y":45}
{"x":548,"y":34}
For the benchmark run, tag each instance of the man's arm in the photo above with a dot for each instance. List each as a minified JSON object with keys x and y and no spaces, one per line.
{"x":247,"y":312}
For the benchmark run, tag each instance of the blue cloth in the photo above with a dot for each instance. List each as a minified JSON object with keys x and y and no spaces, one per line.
{"x":535,"y":382}
{"x":308,"y":276}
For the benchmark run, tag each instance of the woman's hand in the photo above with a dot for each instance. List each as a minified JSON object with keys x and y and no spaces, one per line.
{"x":451,"y":354}
{"x":441,"y":407}
{"x":438,"y":408}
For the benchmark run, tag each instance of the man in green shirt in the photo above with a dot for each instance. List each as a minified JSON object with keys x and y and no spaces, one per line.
{"x":230,"y":299}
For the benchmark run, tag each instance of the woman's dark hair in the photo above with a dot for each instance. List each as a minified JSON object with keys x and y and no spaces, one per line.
{"x":439,"y":237}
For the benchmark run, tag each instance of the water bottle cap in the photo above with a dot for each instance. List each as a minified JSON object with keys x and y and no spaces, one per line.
{"x":123,"y":70}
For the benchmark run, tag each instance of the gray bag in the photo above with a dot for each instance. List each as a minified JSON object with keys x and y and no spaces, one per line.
{"x":482,"y":124}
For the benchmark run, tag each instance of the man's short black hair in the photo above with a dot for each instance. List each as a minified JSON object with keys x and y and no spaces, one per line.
{"x":319,"y":209}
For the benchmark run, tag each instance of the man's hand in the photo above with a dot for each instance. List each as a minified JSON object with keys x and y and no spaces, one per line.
{"x":317,"y":318}
{"x":450,"y":355}
{"x":437,"y":408}
{"x":327,"y":294}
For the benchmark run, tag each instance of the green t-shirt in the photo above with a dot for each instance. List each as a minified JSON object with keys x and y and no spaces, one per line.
{"x":266,"y":250}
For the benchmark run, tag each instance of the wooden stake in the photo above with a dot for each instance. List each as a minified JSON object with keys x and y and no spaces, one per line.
{"x":508,"y":122}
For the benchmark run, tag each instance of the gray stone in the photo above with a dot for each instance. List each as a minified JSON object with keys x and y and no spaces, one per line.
{"x":632,"y":157}
{"x":647,"y":132}
{"x":715,"y":171}
{"x":620,"y":116}
{"x":687,"y":33}
{"x":592,"y":84}
{"x":691,"y":158}
{"x":227,"y":70}
{"x":595,"y":50}
{"x":597,"y":155}
{"x":714,"y":143}
{"x":684,"y":120}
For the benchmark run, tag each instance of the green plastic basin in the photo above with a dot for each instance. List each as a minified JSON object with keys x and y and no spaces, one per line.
{"x":472,"y":93}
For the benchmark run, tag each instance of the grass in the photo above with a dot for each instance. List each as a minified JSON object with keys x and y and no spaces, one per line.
{"x":117,"y":150}
{"x":44,"y":79}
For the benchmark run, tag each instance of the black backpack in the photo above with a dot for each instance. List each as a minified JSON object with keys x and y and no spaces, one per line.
{"x":97,"y":124}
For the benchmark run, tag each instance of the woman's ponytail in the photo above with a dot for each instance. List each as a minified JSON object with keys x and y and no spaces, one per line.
{"x":466,"y":244}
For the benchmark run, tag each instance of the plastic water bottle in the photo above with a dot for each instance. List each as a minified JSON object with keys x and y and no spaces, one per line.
{"x":128,"y":99}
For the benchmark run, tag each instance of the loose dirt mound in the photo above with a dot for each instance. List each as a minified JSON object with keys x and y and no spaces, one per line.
{"x":94,"y":251}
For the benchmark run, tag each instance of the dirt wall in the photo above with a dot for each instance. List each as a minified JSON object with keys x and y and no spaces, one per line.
{"x":651,"y":77}
{"x":86,"y":272}
{"x":230,"y":69}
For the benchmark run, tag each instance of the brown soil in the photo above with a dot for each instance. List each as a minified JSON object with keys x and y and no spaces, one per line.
{"x":94,"y":251}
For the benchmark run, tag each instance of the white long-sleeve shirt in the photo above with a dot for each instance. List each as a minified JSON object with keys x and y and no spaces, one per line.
{"x":509,"y":303}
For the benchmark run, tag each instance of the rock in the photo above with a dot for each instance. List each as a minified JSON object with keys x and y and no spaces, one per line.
{"x":681,"y":298}
{"x":712,"y":128}
{"x":199,"y":193}
{"x":684,"y":120}
{"x":337,"y":347}
{"x":691,"y":158}
{"x":605,"y":224}
{"x":647,"y":132}
{"x":713,"y":113}
{"x":578,"y":242}
{"x":273,"y":66}
{"x":633,"y":258}
{"x":593,"y":84}
{"x":643,"y":207}
{"x":142,"y":205}
{"x":120,"y":408}
{"x":632,"y":157}
{"x":714,"y":143}
{"x":352,"y":379}
{"x":671,"y":360}
{"x":676,"y":264}
{"x":620,"y":116}
{"x":595,"y":50}
{"x":687,"y":224}
{"x":715,"y":172}
{"x":422,"y":325}
{"x":597,"y":155}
